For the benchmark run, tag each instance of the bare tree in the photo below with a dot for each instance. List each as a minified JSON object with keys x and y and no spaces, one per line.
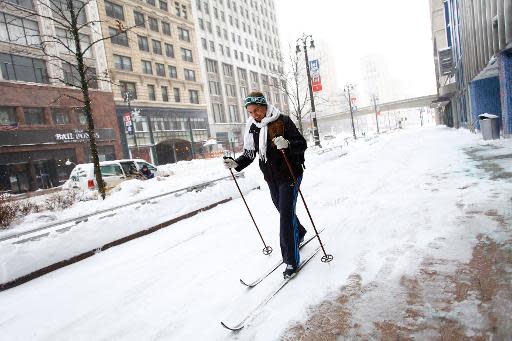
{"x":67,"y":50}
{"x":294,"y":85}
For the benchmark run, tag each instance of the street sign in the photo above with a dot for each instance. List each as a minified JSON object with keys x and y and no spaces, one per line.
{"x":316,"y":83}
{"x":314,"y":67}
{"x":354,"y":108}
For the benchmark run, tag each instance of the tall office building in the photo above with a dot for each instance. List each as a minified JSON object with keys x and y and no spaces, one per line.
{"x":479,"y":39}
{"x":240,"y":52}
{"x":377,"y":80}
{"x":41,"y":119}
{"x":157,"y":81}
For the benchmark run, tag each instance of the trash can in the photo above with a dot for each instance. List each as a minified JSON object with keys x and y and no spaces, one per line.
{"x":489,"y":126}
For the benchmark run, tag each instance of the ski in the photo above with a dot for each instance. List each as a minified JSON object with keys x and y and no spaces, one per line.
{"x":267,"y":299}
{"x":274,"y":267}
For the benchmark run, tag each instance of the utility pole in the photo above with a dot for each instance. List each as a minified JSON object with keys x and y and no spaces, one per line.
{"x":347,"y":89}
{"x":375,"y":98}
{"x":304,"y":40}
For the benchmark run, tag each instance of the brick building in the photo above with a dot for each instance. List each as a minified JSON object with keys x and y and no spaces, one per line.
{"x":41,"y":121}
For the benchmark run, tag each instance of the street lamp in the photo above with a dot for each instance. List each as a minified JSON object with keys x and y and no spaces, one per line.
{"x":347,"y":89}
{"x":375,"y":98}
{"x":304,"y":40}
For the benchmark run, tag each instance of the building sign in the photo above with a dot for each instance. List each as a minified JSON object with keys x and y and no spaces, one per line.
{"x":57,"y":136}
{"x":128,"y":126}
{"x":77,"y":135}
{"x":316,"y":81}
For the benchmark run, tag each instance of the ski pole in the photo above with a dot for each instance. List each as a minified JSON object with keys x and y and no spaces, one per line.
{"x":267,"y":250}
{"x":325,"y":258}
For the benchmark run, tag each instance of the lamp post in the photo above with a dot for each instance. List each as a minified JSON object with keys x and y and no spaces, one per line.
{"x":347,"y":90}
{"x":375,"y":99}
{"x":304,"y":39}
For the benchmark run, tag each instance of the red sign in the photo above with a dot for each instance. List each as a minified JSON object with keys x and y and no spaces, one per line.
{"x":316,"y":83}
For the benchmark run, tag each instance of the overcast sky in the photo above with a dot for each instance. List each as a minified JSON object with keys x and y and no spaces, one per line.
{"x":398,"y":29}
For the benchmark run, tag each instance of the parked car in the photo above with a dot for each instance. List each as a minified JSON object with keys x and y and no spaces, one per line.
{"x":113,"y":173}
{"x":82,"y":176}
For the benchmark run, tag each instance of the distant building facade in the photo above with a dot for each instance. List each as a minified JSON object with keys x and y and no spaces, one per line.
{"x":157,"y":80}
{"x":239,"y":51}
{"x":479,"y":42}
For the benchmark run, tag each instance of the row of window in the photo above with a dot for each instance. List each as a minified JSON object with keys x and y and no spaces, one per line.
{"x":39,"y":116}
{"x":238,"y":55}
{"x":116,"y":11}
{"x":212,"y":67}
{"x":237,"y":38}
{"x":125,"y":63}
{"x":235,"y":22}
{"x":219,"y":114}
{"x":131,"y":88}
{"x":140,"y":21}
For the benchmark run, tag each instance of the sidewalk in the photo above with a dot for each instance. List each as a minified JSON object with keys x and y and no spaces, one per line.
{"x":445,"y":299}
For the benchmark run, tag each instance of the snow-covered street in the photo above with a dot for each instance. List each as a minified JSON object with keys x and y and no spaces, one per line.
{"x":387,"y":204}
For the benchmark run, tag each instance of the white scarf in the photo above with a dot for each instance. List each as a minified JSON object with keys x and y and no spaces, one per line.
{"x":249,"y":149}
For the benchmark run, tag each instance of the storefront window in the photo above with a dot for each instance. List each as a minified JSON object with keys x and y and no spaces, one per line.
{"x":60,"y":116}
{"x":7,"y":116}
{"x":34,"y":116}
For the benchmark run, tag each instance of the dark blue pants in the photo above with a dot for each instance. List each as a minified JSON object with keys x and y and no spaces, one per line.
{"x":284,"y":197}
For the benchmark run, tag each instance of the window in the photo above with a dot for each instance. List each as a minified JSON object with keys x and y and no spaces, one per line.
{"x":139,"y":19}
{"x":242,"y":74}
{"x":163,"y":5}
{"x":61,"y":12}
{"x":183,"y":34}
{"x":18,"y":30}
{"x":114,"y":11}
{"x":264,"y":79}
{"x":254,"y":77}
{"x":201,"y":23}
{"x":8,"y":116}
{"x":60,"y":116}
{"x":177,"y":8}
{"x":143,"y":43}
{"x":211,"y":66}
{"x":209,"y":26}
{"x":184,"y":11}
{"x":169,"y":50}
{"x":165,"y":94}
{"x":186,"y":55}
{"x":204,"y":44}
{"x":23,"y":3}
{"x":72,"y":77}
{"x":166,"y":28}
{"x":66,"y":42}
{"x":34,"y":116}
{"x":230,"y":90}
{"x":221,"y":49}
{"x":157,"y":47}
{"x":153,"y":24}
{"x":128,"y":87}
{"x":214,"y":88}
{"x":218,"y":113}
{"x":173,"y":73}
{"x":233,"y":113}
{"x":212,"y":46}
{"x":160,"y":69}
{"x":217,"y":28}
{"x":190,"y":75}
{"x":146,"y":67}
{"x":23,"y":68}
{"x":122,"y":63}
{"x":151,"y":2}
{"x":118,"y":37}
{"x":151,"y":92}
{"x":176,"y":92}
{"x":228,"y":70}
{"x":193,"y":96}
{"x":206,"y":8}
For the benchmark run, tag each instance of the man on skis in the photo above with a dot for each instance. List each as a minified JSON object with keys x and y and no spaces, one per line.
{"x":268,"y":133}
